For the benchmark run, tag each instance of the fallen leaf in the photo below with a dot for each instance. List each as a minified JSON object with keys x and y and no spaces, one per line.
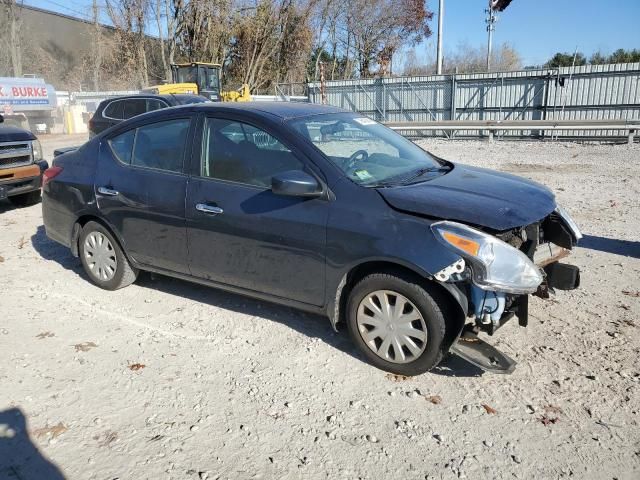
{"x":624,"y":306}
{"x":545,"y":420}
{"x":630,"y":293}
{"x":1,"y":259}
{"x":435,"y":399}
{"x":612,"y":203}
{"x":629,"y":322}
{"x":84,"y":346}
{"x":553,"y":409}
{"x":489,"y":410}
{"x":45,"y":335}
{"x":396,"y":378}
{"x":55,"y":431}
{"x":136,"y":366}
{"x":22,"y":243}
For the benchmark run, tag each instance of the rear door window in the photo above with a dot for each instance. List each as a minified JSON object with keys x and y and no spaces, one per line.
{"x":134,"y":106}
{"x":122,"y":145}
{"x":114,"y":110}
{"x":161,"y":145}
{"x":155,"y":104}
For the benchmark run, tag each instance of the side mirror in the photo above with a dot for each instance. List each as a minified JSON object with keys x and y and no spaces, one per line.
{"x":295,"y":183}
{"x":1,"y":119}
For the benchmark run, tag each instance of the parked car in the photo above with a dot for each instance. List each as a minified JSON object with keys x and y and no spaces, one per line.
{"x":21,"y":165}
{"x":316,"y":208}
{"x":114,"y":110}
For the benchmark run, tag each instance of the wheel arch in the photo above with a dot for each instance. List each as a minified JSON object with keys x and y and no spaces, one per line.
{"x":450,"y":297}
{"x":79,"y":225}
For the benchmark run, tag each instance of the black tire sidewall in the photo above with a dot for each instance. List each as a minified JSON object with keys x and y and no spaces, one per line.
{"x":421,"y":298}
{"x":113,"y":283}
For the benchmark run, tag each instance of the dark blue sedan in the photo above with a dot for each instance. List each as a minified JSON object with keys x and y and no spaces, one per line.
{"x":320,"y":209}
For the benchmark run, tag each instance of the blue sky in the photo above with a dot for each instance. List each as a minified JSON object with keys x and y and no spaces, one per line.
{"x":536,"y":28}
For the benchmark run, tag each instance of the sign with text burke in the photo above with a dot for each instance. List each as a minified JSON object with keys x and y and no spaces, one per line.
{"x":23,"y":94}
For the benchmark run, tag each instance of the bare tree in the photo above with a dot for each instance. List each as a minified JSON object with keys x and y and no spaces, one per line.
{"x":130,"y":19}
{"x":10,"y":36}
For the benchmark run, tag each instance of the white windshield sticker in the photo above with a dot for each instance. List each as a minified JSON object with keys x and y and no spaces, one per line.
{"x":363,"y":174}
{"x":364,"y":121}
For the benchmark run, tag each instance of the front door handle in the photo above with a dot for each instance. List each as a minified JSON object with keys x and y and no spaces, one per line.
{"x":107,"y":191}
{"x":211,"y":210}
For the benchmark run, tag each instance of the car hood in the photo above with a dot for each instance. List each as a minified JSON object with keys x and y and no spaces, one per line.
{"x":14,"y":134}
{"x":476,"y":196}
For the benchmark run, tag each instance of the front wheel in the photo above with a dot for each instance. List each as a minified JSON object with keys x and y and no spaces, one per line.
{"x":102,"y":258}
{"x":396,"y":323}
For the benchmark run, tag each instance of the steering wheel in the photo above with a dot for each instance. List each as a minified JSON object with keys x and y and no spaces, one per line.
{"x":358,"y":156}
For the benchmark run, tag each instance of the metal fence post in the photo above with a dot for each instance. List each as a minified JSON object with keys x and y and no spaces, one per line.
{"x":453,"y":97}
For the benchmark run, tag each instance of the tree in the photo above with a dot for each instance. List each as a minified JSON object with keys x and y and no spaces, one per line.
{"x":10,"y":42}
{"x":624,"y":56}
{"x":598,"y":59}
{"x":566,"y":60}
{"x":469,"y":59}
{"x":130,"y":18}
{"x":379,"y":28}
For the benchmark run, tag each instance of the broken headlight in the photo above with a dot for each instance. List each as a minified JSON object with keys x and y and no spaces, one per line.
{"x":575,"y":231}
{"x":495,"y":265}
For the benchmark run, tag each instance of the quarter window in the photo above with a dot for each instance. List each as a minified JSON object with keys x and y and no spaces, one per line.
{"x":158,"y":145}
{"x":242,"y":153}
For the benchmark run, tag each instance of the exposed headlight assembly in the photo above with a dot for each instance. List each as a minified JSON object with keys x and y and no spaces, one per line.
{"x":36,"y":149}
{"x":564,"y":215}
{"x":495,"y":265}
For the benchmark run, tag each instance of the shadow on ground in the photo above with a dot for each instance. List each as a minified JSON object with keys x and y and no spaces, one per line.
{"x":626,"y":248}
{"x":314,"y":326}
{"x":19,"y":456}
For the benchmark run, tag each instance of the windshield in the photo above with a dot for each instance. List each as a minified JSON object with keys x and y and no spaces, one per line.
{"x":367,"y":152}
{"x":187,"y":74}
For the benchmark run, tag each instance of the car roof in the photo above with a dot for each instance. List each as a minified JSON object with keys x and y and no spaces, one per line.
{"x":283,"y":110}
{"x":172,"y":98}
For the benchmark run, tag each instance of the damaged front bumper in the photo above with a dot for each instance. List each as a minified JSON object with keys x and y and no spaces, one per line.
{"x":545,"y":244}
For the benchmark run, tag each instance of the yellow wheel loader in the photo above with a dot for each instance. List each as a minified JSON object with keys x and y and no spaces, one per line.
{"x":200,"y":78}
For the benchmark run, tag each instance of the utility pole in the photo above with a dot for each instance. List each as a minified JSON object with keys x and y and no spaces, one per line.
{"x":439,"y":54}
{"x":490,"y":20}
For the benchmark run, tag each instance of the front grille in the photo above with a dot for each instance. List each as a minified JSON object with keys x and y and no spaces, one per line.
{"x":13,"y":146}
{"x":15,"y":161}
{"x":15,"y":154}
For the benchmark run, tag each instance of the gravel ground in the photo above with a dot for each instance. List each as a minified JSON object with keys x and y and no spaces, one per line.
{"x":165,"y":379}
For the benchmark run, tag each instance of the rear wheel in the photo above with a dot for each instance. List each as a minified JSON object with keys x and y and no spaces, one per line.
{"x":396,"y":323}
{"x":26,"y":199}
{"x":103,"y":259}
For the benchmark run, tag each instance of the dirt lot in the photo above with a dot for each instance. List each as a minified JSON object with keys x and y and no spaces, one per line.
{"x":165,"y":379}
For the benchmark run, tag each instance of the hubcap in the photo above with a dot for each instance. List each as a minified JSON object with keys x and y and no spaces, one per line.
{"x":392,"y":326}
{"x":100,"y":256}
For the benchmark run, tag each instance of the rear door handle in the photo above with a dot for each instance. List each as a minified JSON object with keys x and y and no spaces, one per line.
{"x":210,"y":209}
{"x":107,"y":191}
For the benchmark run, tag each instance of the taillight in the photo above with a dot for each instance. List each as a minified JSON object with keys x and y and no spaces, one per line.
{"x":49,"y":174}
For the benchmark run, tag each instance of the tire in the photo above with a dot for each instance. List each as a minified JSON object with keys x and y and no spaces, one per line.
{"x":419,"y":304}
{"x":26,"y":199}
{"x":111,"y":269}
